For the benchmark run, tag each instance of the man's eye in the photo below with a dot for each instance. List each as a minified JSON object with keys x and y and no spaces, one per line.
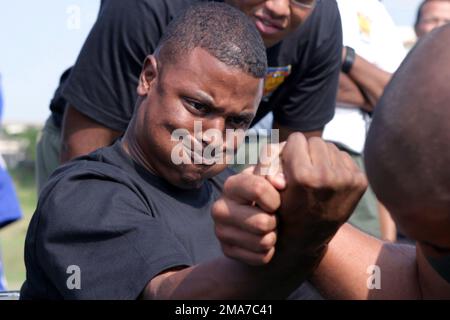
{"x":239,"y":122}
{"x":196,"y":105}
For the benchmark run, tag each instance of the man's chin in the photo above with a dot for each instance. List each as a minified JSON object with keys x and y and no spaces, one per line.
{"x":188,"y":182}
{"x":193,"y":176}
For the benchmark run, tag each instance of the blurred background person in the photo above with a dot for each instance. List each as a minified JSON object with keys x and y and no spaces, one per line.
{"x":49,"y":139}
{"x":431,"y":15}
{"x":373,"y":51}
{"x":9,"y":204}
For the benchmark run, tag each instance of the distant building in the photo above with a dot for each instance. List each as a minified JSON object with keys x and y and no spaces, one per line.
{"x":13,"y":150}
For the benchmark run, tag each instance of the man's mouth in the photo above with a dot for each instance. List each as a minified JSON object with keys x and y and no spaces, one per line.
{"x":267,"y":27}
{"x":196,"y":152}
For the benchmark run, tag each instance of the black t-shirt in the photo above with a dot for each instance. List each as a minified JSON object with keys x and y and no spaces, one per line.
{"x":58,"y":103}
{"x":118,"y":224}
{"x":301,"y":84}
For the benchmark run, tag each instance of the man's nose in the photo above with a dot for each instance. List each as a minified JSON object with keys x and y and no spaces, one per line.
{"x":214,"y":130}
{"x":278,"y":9}
{"x":217,"y":124}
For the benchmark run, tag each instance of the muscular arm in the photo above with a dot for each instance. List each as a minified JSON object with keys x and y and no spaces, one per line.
{"x":82,"y":135}
{"x":405,"y":274}
{"x":224,"y":278}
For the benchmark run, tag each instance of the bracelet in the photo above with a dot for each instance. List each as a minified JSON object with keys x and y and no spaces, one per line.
{"x":349,"y":60}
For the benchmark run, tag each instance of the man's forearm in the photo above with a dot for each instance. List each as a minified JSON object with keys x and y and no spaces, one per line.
{"x":349,"y":94}
{"x":82,"y":135}
{"x":355,"y":262}
{"x":225,"y":278}
{"x":369,"y":78}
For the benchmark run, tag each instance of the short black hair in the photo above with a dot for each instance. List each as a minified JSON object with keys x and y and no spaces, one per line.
{"x":220,"y":29}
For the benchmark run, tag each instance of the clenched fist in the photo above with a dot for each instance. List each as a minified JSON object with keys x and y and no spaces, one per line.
{"x":324,"y":186}
{"x":244,"y":217}
{"x":294,"y":201}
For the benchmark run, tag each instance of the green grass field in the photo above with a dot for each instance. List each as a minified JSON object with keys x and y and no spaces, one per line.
{"x":12,"y":237}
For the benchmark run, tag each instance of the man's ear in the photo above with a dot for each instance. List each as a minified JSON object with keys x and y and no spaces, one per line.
{"x":148,"y":75}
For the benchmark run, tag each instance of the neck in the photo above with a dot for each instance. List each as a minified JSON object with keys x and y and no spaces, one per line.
{"x":133,"y":149}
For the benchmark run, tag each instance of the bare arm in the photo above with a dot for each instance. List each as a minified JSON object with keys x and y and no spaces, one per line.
{"x":349,"y":94}
{"x":343,"y":273}
{"x":82,"y":135}
{"x":225,"y":278}
{"x":369,"y":78}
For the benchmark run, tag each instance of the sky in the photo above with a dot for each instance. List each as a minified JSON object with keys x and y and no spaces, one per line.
{"x":40,"y":39}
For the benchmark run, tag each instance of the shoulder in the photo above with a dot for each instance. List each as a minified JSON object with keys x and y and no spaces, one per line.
{"x":88,"y":168}
{"x":328,"y":7}
{"x":325,"y":11}
{"x":325,"y":19}
{"x":83,"y":190}
{"x":325,"y":31}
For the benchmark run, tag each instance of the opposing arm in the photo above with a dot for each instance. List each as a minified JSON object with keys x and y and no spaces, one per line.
{"x":354,"y":260}
{"x":82,"y":135}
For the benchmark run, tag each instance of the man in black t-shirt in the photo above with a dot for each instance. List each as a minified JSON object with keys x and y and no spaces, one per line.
{"x":126,"y":221}
{"x":304,"y":45}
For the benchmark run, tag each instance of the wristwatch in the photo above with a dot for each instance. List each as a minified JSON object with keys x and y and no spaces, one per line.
{"x":349,"y":59}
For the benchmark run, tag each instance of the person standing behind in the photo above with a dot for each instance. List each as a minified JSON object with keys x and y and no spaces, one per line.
{"x":431,"y":15}
{"x":372,"y":51}
{"x":303,"y":39}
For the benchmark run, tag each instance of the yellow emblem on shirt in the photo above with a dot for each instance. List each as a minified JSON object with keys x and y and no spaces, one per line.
{"x":274,"y":78}
{"x":365,"y":25}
